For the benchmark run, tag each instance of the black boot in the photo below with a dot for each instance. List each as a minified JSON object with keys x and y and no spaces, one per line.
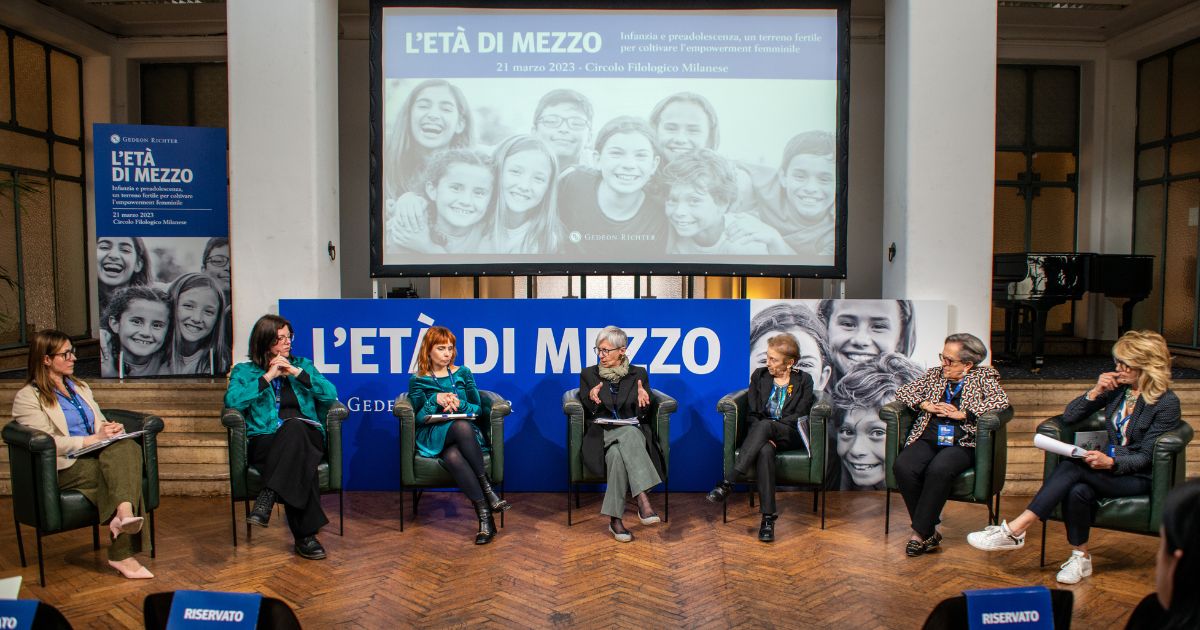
{"x":721,"y":492}
{"x":766,"y":531}
{"x":493,"y":500}
{"x":487,"y":526}
{"x":261,"y":514}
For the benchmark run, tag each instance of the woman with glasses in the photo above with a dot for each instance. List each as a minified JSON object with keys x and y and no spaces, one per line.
{"x":626,"y":454}
{"x":57,"y":403}
{"x":1138,"y":406}
{"x":284,"y":400}
{"x":941,"y":445}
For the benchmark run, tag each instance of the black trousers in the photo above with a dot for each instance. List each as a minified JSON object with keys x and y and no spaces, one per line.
{"x":925,"y":473}
{"x":757,"y":451}
{"x":288,"y":461}
{"x":1078,"y":487}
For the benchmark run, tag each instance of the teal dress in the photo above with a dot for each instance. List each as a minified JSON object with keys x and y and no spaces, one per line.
{"x":423,"y":391}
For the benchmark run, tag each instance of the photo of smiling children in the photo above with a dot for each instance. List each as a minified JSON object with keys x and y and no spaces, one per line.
{"x":139,"y":320}
{"x":804,"y":211}
{"x":617,"y":208}
{"x":526,"y":219}
{"x":457,"y":198}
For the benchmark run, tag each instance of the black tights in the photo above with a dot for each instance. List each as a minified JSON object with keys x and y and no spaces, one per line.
{"x":462,"y":456}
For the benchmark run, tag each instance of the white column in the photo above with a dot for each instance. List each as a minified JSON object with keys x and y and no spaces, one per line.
{"x":283,"y":155}
{"x":939,"y":154}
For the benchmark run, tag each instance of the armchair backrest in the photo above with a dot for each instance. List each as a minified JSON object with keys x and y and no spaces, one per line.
{"x":239,"y":459}
{"x":490,"y":421}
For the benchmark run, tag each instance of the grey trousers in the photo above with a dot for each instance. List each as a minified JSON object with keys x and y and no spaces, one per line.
{"x":629,"y":468}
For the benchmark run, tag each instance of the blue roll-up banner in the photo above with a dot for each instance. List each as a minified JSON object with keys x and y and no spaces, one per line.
{"x":162,"y":250}
{"x":531,"y":351}
{"x":205,"y":609}
{"x":1025,"y":608}
{"x":17,"y":614}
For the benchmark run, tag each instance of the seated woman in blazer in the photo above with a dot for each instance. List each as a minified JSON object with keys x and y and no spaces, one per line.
{"x":56,"y":402}
{"x":1138,"y":407}
{"x":627,"y":455}
{"x":777,"y":398}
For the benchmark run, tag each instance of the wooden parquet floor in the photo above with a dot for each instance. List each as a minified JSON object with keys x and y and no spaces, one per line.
{"x":693,"y":572}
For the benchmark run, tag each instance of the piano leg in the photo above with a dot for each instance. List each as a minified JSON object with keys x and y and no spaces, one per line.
{"x":1012,"y":330}
{"x":1126,"y":316}
{"x":1040,"y":316}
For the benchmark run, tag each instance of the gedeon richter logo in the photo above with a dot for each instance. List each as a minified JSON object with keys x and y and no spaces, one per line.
{"x":556,"y":350}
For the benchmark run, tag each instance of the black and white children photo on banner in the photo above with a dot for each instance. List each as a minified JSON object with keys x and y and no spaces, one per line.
{"x":164,"y":306}
{"x":609,"y":170}
{"x":858,"y":353}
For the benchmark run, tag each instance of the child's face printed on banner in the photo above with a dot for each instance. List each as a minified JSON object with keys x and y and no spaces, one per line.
{"x":808,"y":183}
{"x":525,"y":180}
{"x":692,"y":211}
{"x":571,"y":134}
{"x":142,"y":327}
{"x":116,"y":260}
{"x":218,"y":265}
{"x":435,"y":118}
{"x":860,"y":445}
{"x":809,"y":362}
{"x":683,"y":127}
{"x":462,"y":195}
{"x":196,"y":313}
{"x":626,"y":162}
{"x":860,"y":330}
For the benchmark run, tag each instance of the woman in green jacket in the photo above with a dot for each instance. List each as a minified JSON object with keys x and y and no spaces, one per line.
{"x":284,"y":400}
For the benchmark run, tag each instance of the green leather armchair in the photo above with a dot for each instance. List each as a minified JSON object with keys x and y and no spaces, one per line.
{"x":661,"y":408}
{"x":37,"y":500}
{"x":245,"y":481}
{"x":792,"y":468}
{"x":1138,"y":514}
{"x":979,"y":484}
{"x":419,"y":473}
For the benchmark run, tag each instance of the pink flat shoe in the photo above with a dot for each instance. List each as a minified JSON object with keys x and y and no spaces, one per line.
{"x":131,"y":525}
{"x":140,"y":573}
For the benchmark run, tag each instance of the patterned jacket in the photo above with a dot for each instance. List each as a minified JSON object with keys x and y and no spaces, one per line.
{"x":981,"y":393}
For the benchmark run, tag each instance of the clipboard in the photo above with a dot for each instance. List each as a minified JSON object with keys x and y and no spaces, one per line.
{"x":103,"y":443}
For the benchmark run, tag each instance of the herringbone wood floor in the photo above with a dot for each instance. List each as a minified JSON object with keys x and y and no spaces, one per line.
{"x":692,"y":572}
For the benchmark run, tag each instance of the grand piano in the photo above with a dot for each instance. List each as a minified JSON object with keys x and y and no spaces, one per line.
{"x":1030,"y":284}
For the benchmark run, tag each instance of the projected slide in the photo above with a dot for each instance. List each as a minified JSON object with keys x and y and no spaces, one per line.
{"x":599,"y":140}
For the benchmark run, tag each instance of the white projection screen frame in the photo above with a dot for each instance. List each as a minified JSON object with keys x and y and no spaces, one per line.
{"x":606,"y":138}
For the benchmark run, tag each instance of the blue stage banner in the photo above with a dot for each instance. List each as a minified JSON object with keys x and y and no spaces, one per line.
{"x":1027,"y":608}
{"x":206,"y":609}
{"x":17,"y":614}
{"x":530,"y":352}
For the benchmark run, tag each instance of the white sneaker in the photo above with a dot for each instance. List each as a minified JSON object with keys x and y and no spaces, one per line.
{"x":1077,"y":567}
{"x":996,"y":537}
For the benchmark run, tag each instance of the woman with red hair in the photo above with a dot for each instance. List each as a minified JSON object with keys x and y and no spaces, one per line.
{"x":440,"y":387}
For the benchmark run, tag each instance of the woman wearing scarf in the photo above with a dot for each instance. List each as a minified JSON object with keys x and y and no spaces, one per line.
{"x":626,"y":454}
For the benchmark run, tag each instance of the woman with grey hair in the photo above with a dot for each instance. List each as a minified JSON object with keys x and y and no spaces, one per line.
{"x":625,"y":453}
{"x":941,"y":445}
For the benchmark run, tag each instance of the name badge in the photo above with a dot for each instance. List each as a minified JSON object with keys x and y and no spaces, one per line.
{"x":17,"y":613}
{"x":203,"y":609}
{"x":1010,"y":608}
{"x":1112,"y":450}
{"x":945,"y":435}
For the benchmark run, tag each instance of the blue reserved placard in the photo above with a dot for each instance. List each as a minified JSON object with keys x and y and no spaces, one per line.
{"x":1023,"y":607}
{"x":17,"y":613}
{"x":206,"y":609}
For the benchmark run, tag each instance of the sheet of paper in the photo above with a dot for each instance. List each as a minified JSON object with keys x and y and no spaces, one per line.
{"x":1052,"y":445}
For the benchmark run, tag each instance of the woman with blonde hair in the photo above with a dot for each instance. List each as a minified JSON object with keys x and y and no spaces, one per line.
{"x":1138,"y":406}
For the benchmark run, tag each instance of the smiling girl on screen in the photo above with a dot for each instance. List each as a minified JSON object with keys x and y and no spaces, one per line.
{"x":526,"y":219}
{"x":435,"y":116}
{"x":195,"y":348}
{"x":140,"y":321}
{"x":458,"y":186}
{"x":121,"y":262}
{"x":616,"y":209}
{"x":702,"y":191}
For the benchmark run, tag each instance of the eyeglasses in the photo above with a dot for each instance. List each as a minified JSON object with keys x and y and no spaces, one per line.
{"x":1120,"y":365}
{"x":283,"y":338}
{"x":70,"y":352}
{"x":947,"y":360}
{"x":578,"y":123}
{"x":220,"y":262}
{"x":603,"y":352}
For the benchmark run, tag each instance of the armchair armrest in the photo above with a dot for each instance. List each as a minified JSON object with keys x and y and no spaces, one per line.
{"x":898,"y":419}
{"x":1054,"y":427}
{"x":574,"y":412}
{"x":661,"y":408}
{"x":152,"y":425}
{"x":1168,"y":467}
{"x":404,"y":413}
{"x":33,"y":462}
{"x":500,"y":407}
{"x":991,"y":453}
{"x":818,"y":431}
{"x":233,"y":420}
{"x":334,"y":418}
{"x":732,"y":408}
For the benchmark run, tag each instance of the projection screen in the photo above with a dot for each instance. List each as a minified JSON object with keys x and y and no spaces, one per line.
{"x":594,"y":140}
